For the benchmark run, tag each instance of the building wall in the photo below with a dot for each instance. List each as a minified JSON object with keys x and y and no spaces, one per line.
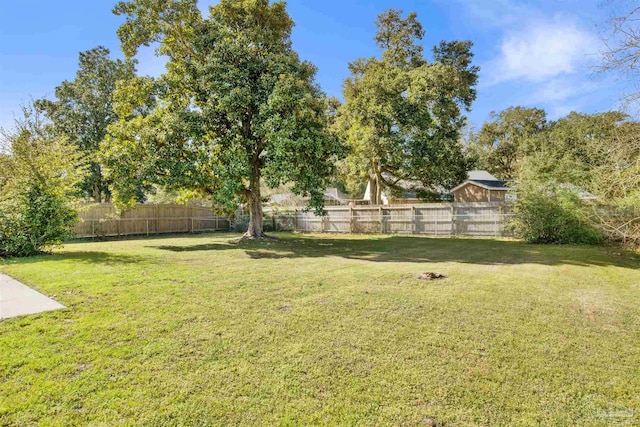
{"x":472,"y":193}
{"x":498,"y":196}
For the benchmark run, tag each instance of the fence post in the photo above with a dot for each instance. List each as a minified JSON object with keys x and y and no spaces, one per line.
{"x":381,"y":218}
{"x":351,"y":220}
{"x":453,"y":220}
{"x":435,"y":223}
{"x":413,"y":220}
{"x":147,"y":227}
{"x":295,"y":219}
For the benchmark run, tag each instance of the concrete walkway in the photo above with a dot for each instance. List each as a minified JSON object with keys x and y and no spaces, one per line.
{"x":17,"y":299}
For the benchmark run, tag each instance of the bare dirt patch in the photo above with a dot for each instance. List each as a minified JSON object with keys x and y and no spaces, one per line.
{"x":430,"y":275}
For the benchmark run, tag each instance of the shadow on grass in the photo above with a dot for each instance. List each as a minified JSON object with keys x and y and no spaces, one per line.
{"x":196,"y":248}
{"x":419,"y":250}
{"x":103,"y":258}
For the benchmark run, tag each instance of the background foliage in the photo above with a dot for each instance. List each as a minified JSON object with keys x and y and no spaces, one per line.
{"x":551,"y":164}
{"x":83,"y":109}
{"x":39,"y":173}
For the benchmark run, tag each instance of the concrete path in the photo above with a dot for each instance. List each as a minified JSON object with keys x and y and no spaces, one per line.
{"x":17,"y":299}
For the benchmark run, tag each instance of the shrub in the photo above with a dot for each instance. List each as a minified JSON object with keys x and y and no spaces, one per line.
{"x":240,"y":225}
{"x":38,"y":177}
{"x":616,"y":180}
{"x":619,"y":221}
{"x":267,"y":224}
{"x":43,"y":222}
{"x":552,"y":215}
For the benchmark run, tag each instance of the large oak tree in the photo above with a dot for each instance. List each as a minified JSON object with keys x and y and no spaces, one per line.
{"x":236,"y":106}
{"x":403,"y":113}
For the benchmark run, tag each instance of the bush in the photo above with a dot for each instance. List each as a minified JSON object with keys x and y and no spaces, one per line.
{"x":43,"y":222}
{"x":267,"y":224}
{"x":555,"y":216}
{"x":241,"y":224}
{"x":38,"y":177}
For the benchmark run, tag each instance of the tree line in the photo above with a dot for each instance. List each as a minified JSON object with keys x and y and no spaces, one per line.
{"x":554,"y":165}
{"x":237,"y":110}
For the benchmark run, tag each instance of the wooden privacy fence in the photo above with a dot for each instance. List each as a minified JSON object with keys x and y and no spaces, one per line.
{"x":101,"y":220}
{"x":442,"y":219}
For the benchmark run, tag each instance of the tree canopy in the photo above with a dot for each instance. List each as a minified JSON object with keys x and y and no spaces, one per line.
{"x":570,"y":149}
{"x":235,"y":107}
{"x":83,"y":109}
{"x":507,"y":138}
{"x":402,"y":114}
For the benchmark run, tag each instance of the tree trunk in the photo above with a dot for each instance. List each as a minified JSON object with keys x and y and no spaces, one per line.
{"x":373,"y":190}
{"x":97,"y":194}
{"x":378,"y":190}
{"x":254,"y":202}
{"x":375,"y":185}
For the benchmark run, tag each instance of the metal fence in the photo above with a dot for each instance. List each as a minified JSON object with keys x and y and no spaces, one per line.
{"x":102,"y":220}
{"x":442,"y":219}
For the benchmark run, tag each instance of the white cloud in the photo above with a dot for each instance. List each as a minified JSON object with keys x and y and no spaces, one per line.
{"x":560,"y":96}
{"x":558,"y":111}
{"x":549,"y":60}
{"x":542,"y":51}
{"x":561,"y":89}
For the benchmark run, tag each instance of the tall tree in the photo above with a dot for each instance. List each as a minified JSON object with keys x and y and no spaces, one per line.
{"x":39,"y":173}
{"x":236,"y":106}
{"x":507,"y":138}
{"x":83,"y":109}
{"x":402,"y":114}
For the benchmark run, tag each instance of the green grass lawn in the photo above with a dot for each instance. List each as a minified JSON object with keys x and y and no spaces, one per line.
{"x":325,"y":330}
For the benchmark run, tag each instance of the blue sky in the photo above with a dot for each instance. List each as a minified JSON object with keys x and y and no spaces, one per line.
{"x":533,"y":53}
